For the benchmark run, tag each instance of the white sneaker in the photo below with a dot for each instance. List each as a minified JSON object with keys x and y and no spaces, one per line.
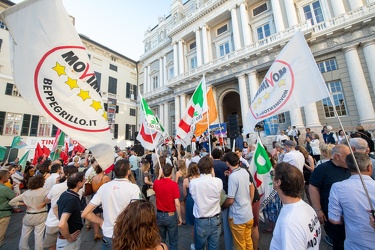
{"x":192,"y":246}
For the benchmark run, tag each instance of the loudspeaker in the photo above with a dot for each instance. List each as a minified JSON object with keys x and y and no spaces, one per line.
{"x":139,"y":150}
{"x":232,"y":126}
{"x":136,"y":142}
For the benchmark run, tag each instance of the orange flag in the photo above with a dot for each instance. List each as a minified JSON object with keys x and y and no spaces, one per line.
{"x":202,"y":125}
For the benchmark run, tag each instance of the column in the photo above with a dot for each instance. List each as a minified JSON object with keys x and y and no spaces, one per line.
{"x":360,"y":89}
{"x":369,"y":51}
{"x":145,"y":77}
{"x":177,"y":113}
{"x":161,"y":114}
{"x":245,"y":25}
{"x":183,"y":103}
{"x":149,"y":79}
{"x":165,"y":70}
{"x":355,"y":4}
{"x":312,"y":116}
{"x":166,"y":116}
{"x":337,"y":7}
{"x":236,"y":31}
{"x":175,"y":59}
{"x":199,"y":49}
{"x":277,"y":15}
{"x":243,"y":96}
{"x":161,"y":76}
{"x":205,"y":48}
{"x":253,"y":83}
{"x":291,"y":12}
{"x":296,"y":118}
{"x":181,"y":57}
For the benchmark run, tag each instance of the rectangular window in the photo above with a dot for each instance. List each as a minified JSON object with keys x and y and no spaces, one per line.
{"x":222,"y":29}
{"x":34,"y":125}
{"x":335,"y":88}
{"x":327,"y":65}
{"x":25,"y":125}
{"x":112,"y":85}
{"x":282,"y":118}
{"x":263,"y":31}
{"x":260,"y":9}
{"x":170,"y":73}
{"x":44,"y":127}
{"x":193,"y":62}
{"x":54,"y":130}
{"x":11,"y":89}
{"x":129,"y":132}
{"x":113,"y":67}
{"x":132,"y":112}
{"x":115,"y":131}
{"x":131,"y":91}
{"x":224,"y":49}
{"x":155,"y":82}
{"x":2,"y":121}
{"x":192,"y":45}
{"x":12,"y":124}
{"x":313,"y":12}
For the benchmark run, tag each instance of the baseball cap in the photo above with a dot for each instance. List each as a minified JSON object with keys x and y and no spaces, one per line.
{"x":289,"y":143}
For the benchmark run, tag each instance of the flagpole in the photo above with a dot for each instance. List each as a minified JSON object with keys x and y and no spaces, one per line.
{"x":355,"y":160}
{"x":10,"y":149}
{"x":208,"y":122}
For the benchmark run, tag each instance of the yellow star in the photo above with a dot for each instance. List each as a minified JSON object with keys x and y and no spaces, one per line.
{"x":259,"y":101}
{"x":84,"y":94}
{"x":281,"y":83}
{"x":72,"y":83}
{"x":105,"y":115}
{"x":60,"y":70}
{"x":266,"y":96}
{"x":96,"y":105}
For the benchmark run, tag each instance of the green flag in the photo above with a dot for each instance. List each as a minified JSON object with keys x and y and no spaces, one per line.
{"x":152,"y":121}
{"x":58,"y":145}
{"x":23,"y":160}
{"x":18,"y":143}
{"x":3,"y":150}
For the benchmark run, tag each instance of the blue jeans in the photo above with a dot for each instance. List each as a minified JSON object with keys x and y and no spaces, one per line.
{"x":207,"y":230}
{"x":107,"y":243}
{"x":168,"y":224}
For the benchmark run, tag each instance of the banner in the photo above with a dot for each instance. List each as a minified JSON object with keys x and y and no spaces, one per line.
{"x":202,"y":125}
{"x":292,"y":81}
{"x":53,"y":73}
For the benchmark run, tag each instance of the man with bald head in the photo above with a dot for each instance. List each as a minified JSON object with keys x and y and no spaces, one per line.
{"x":321,"y":181}
{"x":360,"y":145}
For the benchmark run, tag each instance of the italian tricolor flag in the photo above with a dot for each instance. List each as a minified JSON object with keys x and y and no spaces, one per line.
{"x":196,"y":107}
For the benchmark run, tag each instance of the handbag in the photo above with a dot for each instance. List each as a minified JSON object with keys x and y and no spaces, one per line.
{"x":150,"y":192}
{"x":88,"y":189}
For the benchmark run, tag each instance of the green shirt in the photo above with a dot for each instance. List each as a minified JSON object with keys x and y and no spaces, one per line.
{"x":6,"y":194}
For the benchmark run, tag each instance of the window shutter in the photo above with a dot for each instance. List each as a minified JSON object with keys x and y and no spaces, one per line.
{"x":2,"y":120}
{"x":135,"y":92}
{"x":98,"y":78}
{"x":117,"y":109}
{"x":9,"y":89}
{"x":34,"y":125}
{"x":127,"y":131}
{"x":127,"y":90}
{"x":25,"y":125}
{"x":54,"y":130}
{"x":106,"y":106}
{"x":115,"y":132}
{"x":112,"y":85}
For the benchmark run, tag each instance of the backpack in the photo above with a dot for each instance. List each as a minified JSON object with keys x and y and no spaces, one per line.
{"x":298,"y":133}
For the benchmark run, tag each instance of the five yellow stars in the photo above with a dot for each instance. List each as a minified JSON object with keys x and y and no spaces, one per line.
{"x":60,"y":70}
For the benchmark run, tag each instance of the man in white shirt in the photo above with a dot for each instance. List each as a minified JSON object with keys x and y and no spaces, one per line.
{"x":52,"y":222}
{"x":134,"y":162}
{"x":205,"y":191}
{"x":297,"y":226}
{"x":196,"y":157}
{"x":244,"y":163}
{"x":114,"y":196}
{"x":52,"y":179}
{"x":293,"y":156}
{"x":353,"y":208}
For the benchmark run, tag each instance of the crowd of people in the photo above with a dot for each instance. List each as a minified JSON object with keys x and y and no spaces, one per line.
{"x":212,"y":191}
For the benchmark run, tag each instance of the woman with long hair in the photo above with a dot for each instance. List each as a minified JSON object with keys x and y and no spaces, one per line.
{"x":36,"y":212}
{"x":145,"y":177}
{"x":180,"y":177}
{"x":97,"y":181}
{"x":136,"y":229}
{"x":307,"y":169}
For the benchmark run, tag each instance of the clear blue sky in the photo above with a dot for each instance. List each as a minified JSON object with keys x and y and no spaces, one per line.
{"x":117,"y":24}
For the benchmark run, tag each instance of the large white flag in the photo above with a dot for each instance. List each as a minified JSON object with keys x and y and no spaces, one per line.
{"x":52,"y":71}
{"x":293,"y":81}
{"x":196,"y":107}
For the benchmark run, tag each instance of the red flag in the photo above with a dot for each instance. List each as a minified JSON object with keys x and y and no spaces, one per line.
{"x":46,"y":151}
{"x":109,"y":169}
{"x":79,"y":148}
{"x":38,"y":152}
